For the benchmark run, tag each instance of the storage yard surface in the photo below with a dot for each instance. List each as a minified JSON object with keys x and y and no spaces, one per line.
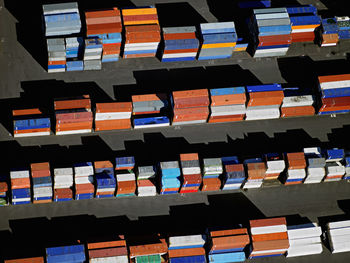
{"x":23,"y":78}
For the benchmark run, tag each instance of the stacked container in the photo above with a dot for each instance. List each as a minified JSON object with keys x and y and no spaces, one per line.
{"x":146,"y":181}
{"x":315,"y":165}
{"x":218,"y":40}
{"x":241,"y":45}
{"x":126,"y":180}
{"x":41,"y":182}
{"x":84,"y":180}
{"x":304,"y":240}
{"x":335,"y":170}
{"x":66,"y":254}
{"x":228,"y":245}
{"x":347,"y":168}
{"x":191,"y":172}
{"x":105,"y":179}
{"x":270,"y":31}
{"x":113,"y":116}
{"x":105,"y":251}
{"x":30,"y":122}
{"x":106,"y":25}
{"x":227,"y":104}
{"x":328,"y":33}
{"x":142,"y":32}
{"x":256,"y":170}
{"x":150,"y":110}
{"x":180,"y":44}
{"x":339,"y":235}
{"x":74,"y":51}
{"x":335,"y":94}
{"x":170,"y":177}
{"x":234,"y":175}
{"x":264,"y":101}
{"x":212,"y":170}
{"x":56,"y":50}
{"x":343,"y":23}
{"x":93,"y":54}
{"x":20,"y":186}
{"x":3,"y":191}
{"x":269,"y":237}
{"x":63,"y":183}
{"x":73,"y":115}
{"x":187,"y":249}
{"x":304,"y":21}
{"x":296,"y":168}
{"x":147,"y":249}
{"x":275,"y":166}
{"x":190,"y":106}
{"x":293,"y":106}
{"x":61,"y":19}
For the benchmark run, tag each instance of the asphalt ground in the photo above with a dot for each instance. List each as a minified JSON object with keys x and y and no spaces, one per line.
{"x":24,"y":81}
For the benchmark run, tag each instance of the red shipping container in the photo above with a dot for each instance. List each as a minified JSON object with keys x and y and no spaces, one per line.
{"x":265,"y":98}
{"x":84,"y":188}
{"x":149,"y":97}
{"x":274,"y":38}
{"x":211,"y":184}
{"x":86,"y":125}
{"x":268,"y":222}
{"x":141,"y":28}
{"x":63,"y":193}
{"x":229,"y":232}
{"x":59,"y":62}
{"x":40,"y":166}
{"x":20,"y":183}
{"x":103,"y":13}
{"x":191,"y":114}
{"x":176,"y":51}
{"x":175,"y":36}
{"x":108,"y":252}
{"x":188,"y":190}
{"x":114,"y":107}
{"x":334,"y":108}
{"x":31,"y":131}
{"x":191,"y":102}
{"x":107,"y":244}
{"x":227,"y":118}
{"x":83,"y":103}
{"x":99,"y":29}
{"x":63,"y":118}
{"x":43,"y":173}
{"x":190,"y":94}
{"x":297,"y":111}
{"x":3,"y":187}
{"x":140,"y":18}
{"x":160,"y":247}
{"x":105,"y":193}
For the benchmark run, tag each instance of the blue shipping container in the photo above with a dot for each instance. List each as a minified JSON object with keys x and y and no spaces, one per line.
{"x":227,"y":91}
{"x":268,"y":87}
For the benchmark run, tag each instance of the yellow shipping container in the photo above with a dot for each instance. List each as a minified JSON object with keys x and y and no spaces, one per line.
{"x":218,"y":45}
{"x":142,"y":22}
{"x":139,"y":11}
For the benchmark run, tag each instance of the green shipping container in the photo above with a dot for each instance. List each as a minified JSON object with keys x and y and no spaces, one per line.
{"x":149,"y":259}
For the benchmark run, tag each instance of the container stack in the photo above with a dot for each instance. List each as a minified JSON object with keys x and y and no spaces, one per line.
{"x":73,"y":115}
{"x":269,"y":237}
{"x":343,"y":23}
{"x":61,"y":19}
{"x":41,"y":182}
{"x":293,"y":106}
{"x":113,"y":116}
{"x":241,"y":45}
{"x":296,"y":168}
{"x":190,"y":106}
{"x":105,"y":179}
{"x":304,"y":240}
{"x":180,"y":44}
{"x":228,"y":245}
{"x":187,"y":249}
{"x":218,"y":40}
{"x":328,"y":32}
{"x":63,"y":183}
{"x":315,"y":165}
{"x":146,"y":181}
{"x":275,"y":166}
{"x":227,"y":104}
{"x":93,"y":54}
{"x":339,"y":235}
{"x":264,"y":101}
{"x":270,"y":31}
{"x":256,"y":170}
{"x":142,"y":32}
{"x":106,"y":25}
{"x":20,"y":186}
{"x":335,"y":170}
{"x":74,"y":51}
{"x":347,"y":168}
{"x":30,"y":122}
{"x":84,"y":180}
{"x":170,"y":177}
{"x":191,"y":172}
{"x":3,"y":191}
{"x":56,"y":51}
{"x":126,"y":180}
{"x":147,"y":249}
{"x":335,"y":94}
{"x":150,"y":110}
{"x":304,"y":21}
{"x":66,"y":254}
{"x":111,"y":250}
{"x":212,"y":170}
{"x":234,"y":175}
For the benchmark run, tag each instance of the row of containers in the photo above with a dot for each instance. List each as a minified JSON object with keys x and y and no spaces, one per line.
{"x":259,"y":102}
{"x":261,"y":238}
{"x":136,"y":32}
{"x":101,"y":179}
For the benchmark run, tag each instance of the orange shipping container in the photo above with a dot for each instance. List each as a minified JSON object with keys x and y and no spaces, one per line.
{"x":139,"y":11}
{"x":273,"y":236}
{"x":331,"y":78}
{"x":103,"y":164}
{"x":3,"y":187}
{"x":113,"y":125}
{"x":230,"y":242}
{"x":229,"y":232}
{"x":271,"y":244}
{"x":190,"y":93}
{"x":176,"y":253}
{"x":268,"y":222}
{"x":42,"y":201}
{"x":149,"y":97}
{"x":191,"y":35}
{"x":146,"y":55}
{"x":228,"y":99}
{"x":189,"y":156}
{"x":31,"y":131}
{"x":20,"y":183}
{"x":57,"y":62}
{"x":114,"y":107}
{"x":40,"y":166}
{"x":26,"y":260}
{"x":26,"y":112}
{"x":83,"y":103}
{"x":149,"y":249}
{"x":143,"y":29}
{"x":297,"y":111}
{"x":103,"y":20}
{"x":227,"y":118}
{"x":103,"y":13}
{"x":106,"y":244}
{"x":104,"y":28}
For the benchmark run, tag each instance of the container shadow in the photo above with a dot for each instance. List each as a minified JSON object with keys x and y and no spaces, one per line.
{"x":334,"y":8}
{"x":168,"y":80}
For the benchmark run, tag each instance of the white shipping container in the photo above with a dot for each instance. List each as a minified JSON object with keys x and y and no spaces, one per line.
{"x":125,"y":177}
{"x":296,"y":101}
{"x":268,"y":229}
{"x":257,"y":253}
{"x":335,"y":84}
{"x":191,"y":170}
{"x":303,"y":30}
{"x":117,"y":259}
{"x":339,"y":232}
{"x":112,"y":116}
{"x":296,"y":173}
{"x":84,"y":170}
{"x":180,"y":55}
{"x":103,"y":190}
{"x":63,"y":171}
{"x":217,"y":25}
{"x":311,"y":249}
{"x":84,"y":179}
{"x":304,"y":241}
{"x":31,"y":134}
{"x":151,"y":125}
{"x":271,"y":16}
{"x":339,"y":224}
{"x":191,"y":240}
{"x":138,"y":45}
{"x":19,"y":174}
{"x":21,"y":199}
